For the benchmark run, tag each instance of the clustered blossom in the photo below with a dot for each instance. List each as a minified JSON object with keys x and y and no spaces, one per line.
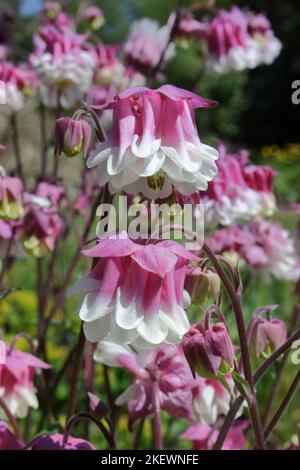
{"x":135,"y":292}
{"x":154,"y":144}
{"x":17,"y":388}
{"x":239,"y":192}
{"x":197,"y":400}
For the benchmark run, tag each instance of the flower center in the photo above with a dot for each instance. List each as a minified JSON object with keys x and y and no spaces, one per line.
{"x":156,"y":181}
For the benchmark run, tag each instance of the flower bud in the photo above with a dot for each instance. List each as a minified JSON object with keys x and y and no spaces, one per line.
{"x":72,"y":136}
{"x":94,"y":17}
{"x":267,"y":335}
{"x":201,"y":283}
{"x":209,"y":352}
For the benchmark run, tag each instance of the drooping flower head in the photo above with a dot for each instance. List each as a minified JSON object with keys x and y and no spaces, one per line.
{"x":240,"y":191}
{"x":64,"y":69}
{"x":55,"y":442}
{"x":72,"y":136}
{"x":93,"y":16}
{"x":154,"y":143}
{"x":208,"y":349}
{"x":18,"y":81}
{"x":11,"y":197}
{"x":266,"y":335}
{"x":135,"y":292}
{"x":17,"y":381}
{"x":146,"y":42}
{"x":166,"y":365}
{"x":236,"y":40}
{"x":42,"y":226}
{"x":261,"y":32}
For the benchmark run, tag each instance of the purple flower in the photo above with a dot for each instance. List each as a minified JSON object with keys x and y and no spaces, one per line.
{"x":72,"y":136}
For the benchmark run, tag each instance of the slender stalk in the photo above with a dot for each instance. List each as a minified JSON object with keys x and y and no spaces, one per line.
{"x":43,"y":141}
{"x":138,"y":433}
{"x":283,"y":405}
{"x":75,"y":373}
{"x":237,"y":308}
{"x":80,"y":416}
{"x":12,"y":421}
{"x":158,"y":442}
{"x":5,"y":262}
{"x":259,"y":373}
{"x":16,"y":145}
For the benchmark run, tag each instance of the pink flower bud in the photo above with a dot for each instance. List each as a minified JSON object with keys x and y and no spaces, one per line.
{"x":94,"y":17}
{"x":72,"y":136}
{"x":209,"y":352}
{"x":201,"y":283}
{"x":267,"y":335}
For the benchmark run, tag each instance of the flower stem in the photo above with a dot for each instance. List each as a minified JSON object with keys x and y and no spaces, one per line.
{"x":283,"y":405}
{"x":158,"y":442}
{"x":237,"y":308}
{"x":16,"y":146}
{"x":75,"y":373}
{"x":257,"y":376}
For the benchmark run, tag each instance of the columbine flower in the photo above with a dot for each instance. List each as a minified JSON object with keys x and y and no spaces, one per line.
{"x":11,"y":200}
{"x":53,"y":13}
{"x":17,"y":381}
{"x":52,"y":192}
{"x":55,"y":442}
{"x":18,"y":81}
{"x":211,"y":399}
{"x":7,"y":440}
{"x":267,"y":44}
{"x":63,"y":67}
{"x":154,"y":143}
{"x":204,"y":437}
{"x":229,"y":46}
{"x":166,"y":365}
{"x":72,"y":136}
{"x":239,"y":192}
{"x":208,"y":349}
{"x":41,"y":227}
{"x":266,"y":335}
{"x":135,"y":292}
{"x":146,"y":42}
{"x":273,"y":250}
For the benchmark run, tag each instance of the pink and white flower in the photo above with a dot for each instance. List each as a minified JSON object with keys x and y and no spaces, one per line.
{"x":239,"y":192}
{"x":154,"y":144}
{"x":135,"y":292}
{"x":17,"y":381}
{"x":273,"y":251}
{"x":211,"y":399}
{"x":18,"y":81}
{"x":146,"y":42}
{"x":267,"y":43}
{"x":204,"y":436}
{"x":63,"y":67}
{"x":237,"y":40}
{"x":166,"y":365}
